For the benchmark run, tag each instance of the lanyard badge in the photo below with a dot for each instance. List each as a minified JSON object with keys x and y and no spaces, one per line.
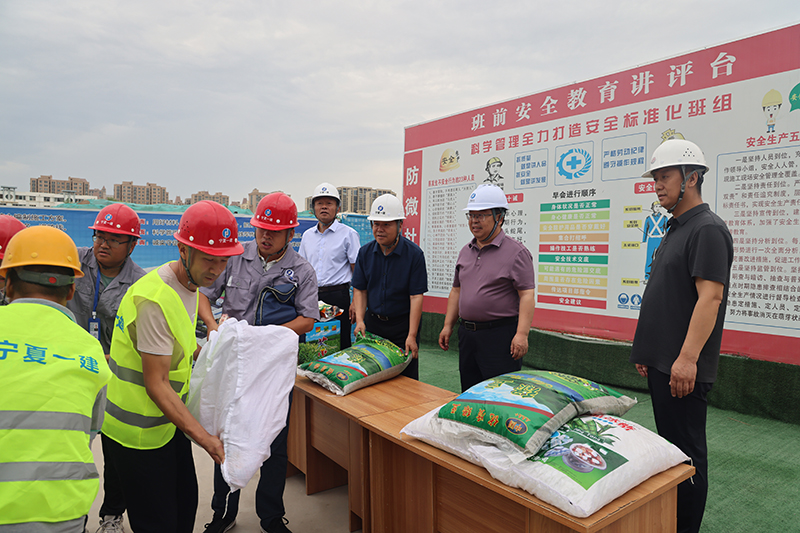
{"x":94,"y":326}
{"x":94,"y":322}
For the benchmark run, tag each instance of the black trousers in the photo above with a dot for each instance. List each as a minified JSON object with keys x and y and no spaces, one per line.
{"x":159,"y":486}
{"x":341,"y":299}
{"x":682,"y":421}
{"x":485,"y":353}
{"x":395,"y":330}
{"x":113,"y":502}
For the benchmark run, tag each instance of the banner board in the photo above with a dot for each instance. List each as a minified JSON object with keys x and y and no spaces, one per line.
{"x":570,"y":161}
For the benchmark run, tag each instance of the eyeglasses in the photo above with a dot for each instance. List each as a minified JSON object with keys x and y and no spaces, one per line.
{"x":479,"y":217}
{"x":112,"y":243}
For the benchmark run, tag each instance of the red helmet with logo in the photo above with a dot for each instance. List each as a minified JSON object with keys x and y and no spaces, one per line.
{"x":117,"y":218}
{"x":211,"y":228}
{"x":9,"y":226}
{"x":276,"y":211}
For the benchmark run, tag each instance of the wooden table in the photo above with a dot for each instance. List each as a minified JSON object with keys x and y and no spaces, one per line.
{"x":417,"y":488}
{"x":327,"y":443}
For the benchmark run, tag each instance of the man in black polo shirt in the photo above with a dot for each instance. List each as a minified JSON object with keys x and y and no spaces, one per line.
{"x":389,"y":280}
{"x":678,"y":337}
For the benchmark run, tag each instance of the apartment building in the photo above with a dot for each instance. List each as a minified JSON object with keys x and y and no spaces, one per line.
{"x":220,"y":198}
{"x":151,"y":193}
{"x":46,"y":184}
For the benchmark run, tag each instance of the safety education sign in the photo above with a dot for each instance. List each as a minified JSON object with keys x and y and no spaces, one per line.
{"x":570,"y":161}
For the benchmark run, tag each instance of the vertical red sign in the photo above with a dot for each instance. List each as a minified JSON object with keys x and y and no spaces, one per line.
{"x":412,"y":195}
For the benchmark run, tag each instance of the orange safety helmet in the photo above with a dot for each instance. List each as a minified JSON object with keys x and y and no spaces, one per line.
{"x":276,"y":211}
{"x":117,"y":218}
{"x":41,"y":245}
{"x":210,"y":228}
{"x":9,"y":226}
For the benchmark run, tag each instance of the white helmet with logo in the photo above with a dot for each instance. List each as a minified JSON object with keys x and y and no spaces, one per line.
{"x":386,"y":207}
{"x":487,"y":196}
{"x":676,"y":153}
{"x":325,"y":190}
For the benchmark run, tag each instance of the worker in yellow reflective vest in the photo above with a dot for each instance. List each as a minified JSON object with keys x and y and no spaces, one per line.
{"x":152,"y":349}
{"x":52,"y":395}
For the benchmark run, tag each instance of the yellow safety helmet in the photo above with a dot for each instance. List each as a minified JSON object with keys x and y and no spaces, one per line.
{"x":773,"y":97}
{"x":41,"y":245}
{"x":492,"y":161}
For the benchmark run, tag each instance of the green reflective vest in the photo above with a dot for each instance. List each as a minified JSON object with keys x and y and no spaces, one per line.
{"x":51,"y":371}
{"x":132,"y":418}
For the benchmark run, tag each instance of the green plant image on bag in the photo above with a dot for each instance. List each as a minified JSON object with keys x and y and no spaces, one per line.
{"x":323,"y":339}
{"x":582,"y":449}
{"x":313,"y":351}
{"x":526,"y":407}
{"x":368,"y":356}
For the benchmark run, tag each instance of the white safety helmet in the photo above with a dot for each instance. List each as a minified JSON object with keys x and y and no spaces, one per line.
{"x":326,"y":190}
{"x":386,"y":207}
{"x":486,"y":196}
{"x":676,"y":153}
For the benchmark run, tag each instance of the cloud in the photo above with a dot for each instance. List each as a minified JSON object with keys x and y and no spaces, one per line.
{"x":230,"y":96}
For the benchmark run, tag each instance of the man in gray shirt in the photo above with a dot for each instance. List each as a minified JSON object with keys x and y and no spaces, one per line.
{"x":268,"y":262}
{"x":109,"y":271}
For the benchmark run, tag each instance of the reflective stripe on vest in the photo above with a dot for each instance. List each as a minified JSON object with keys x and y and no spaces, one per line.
{"x":133,"y":418}
{"x":37,"y":471}
{"x":52,"y":373}
{"x":69,"y":526}
{"x":136,"y":377}
{"x":45,"y":420}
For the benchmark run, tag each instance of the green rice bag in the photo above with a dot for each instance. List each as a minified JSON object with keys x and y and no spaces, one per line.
{"x":369,"y":360}
{"x":526,"y":407}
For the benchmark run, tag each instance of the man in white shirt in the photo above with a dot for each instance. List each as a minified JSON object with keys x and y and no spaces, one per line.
{"x":331,"y":247}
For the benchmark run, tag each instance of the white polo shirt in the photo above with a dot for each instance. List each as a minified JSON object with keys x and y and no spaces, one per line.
{"x":331,"y":252}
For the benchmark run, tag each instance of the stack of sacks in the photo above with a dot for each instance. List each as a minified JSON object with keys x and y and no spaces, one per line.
{"x":240,"y":392}
{"x":369,"y":360}
{"x":526,"y":429}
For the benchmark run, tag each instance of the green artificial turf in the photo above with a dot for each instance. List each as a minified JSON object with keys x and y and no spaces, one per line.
{"x":754,"y":463}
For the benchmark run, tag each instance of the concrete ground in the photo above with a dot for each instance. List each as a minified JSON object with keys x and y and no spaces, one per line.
{"x":323,"y":512}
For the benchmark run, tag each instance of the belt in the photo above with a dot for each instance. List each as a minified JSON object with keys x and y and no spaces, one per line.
{"x":334,"y":288}
{"x":475,"y":326}
{"x":384,"y":318}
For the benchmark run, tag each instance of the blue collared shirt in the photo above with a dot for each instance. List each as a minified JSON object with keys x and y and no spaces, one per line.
{"x":390,"y":280}
{"x":331,"y":252}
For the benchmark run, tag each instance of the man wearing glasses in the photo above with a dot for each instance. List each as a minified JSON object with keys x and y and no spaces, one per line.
{"x":109,"y":271}
{"x":493,"y":293}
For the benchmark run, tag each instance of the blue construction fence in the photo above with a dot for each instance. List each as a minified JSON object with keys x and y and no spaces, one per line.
{"x":156,"y":245}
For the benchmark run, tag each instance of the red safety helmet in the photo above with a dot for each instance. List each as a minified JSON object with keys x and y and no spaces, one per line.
{"x":117,"y":218}
{"x":276,"y":211}
{"x":211,"y":228}
{"x":9,"y":226}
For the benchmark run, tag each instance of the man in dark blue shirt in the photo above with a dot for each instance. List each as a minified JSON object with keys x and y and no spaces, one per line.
{"x":679,"y":333}
{"x":389,"y":280}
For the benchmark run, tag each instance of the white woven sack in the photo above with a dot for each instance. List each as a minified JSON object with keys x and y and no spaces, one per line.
{"x":579,"y":475}
{"x":240,"y":389}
